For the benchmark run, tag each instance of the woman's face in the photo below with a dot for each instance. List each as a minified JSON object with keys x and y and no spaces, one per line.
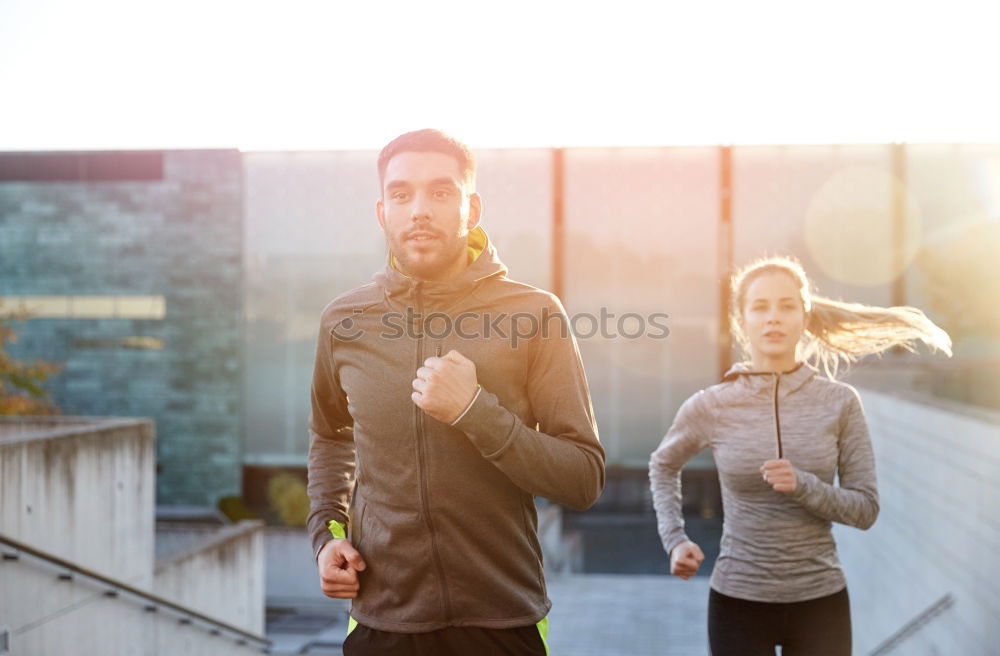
{"x":773,"y":318}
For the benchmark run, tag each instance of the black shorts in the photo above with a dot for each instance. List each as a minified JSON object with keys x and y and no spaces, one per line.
{"x":452,"y":641}
{"x":817,"y":627}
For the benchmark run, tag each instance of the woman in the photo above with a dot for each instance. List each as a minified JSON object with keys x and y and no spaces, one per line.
{"x":780,"y":432}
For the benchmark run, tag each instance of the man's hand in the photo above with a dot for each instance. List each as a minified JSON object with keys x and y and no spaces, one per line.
{"x":445,"y":386}
{"x":339,"y":564}
{"x":780,"y":475}
{"x":685,"y":559}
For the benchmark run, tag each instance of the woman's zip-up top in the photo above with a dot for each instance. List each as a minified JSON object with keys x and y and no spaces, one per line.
{"x":776,"y":546}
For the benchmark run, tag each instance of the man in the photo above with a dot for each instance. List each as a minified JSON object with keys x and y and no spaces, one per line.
{"x":446,"y":398}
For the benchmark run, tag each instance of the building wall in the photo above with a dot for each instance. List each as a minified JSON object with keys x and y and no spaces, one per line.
{"x":937,"y":533}
{"x":176,"y":234}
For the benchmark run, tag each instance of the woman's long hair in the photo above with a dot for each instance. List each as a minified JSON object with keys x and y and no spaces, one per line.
{"x":837,"y":332}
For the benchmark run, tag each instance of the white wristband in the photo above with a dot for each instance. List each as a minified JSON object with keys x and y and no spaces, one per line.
{"x":479,"y":389}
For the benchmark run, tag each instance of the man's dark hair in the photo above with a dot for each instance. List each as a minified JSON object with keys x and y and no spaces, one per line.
{"x":430,"y":141}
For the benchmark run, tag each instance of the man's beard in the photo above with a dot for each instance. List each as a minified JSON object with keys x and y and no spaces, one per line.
{"x":424,"y":268}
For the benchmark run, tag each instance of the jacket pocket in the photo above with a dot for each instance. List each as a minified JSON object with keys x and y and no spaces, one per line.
{"x":531,"y":535}
{"x":358,"y":527}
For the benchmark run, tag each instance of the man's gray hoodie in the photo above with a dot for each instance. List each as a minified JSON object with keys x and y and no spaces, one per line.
{"x":776,"y":547}
{"x":444,"y":514}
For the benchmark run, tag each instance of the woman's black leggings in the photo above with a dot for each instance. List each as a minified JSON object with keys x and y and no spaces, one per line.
{"x":818,"y":627}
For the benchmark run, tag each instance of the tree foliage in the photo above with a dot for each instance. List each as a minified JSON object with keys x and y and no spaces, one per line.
{"x":22,"y":390}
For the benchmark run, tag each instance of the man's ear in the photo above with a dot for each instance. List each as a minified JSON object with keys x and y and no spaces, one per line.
{"x":380,"y":214}
{"x":475,"y":209}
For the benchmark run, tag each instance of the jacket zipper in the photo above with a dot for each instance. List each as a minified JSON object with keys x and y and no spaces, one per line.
{"x":777,"y":416}
{"x":422,"y":466}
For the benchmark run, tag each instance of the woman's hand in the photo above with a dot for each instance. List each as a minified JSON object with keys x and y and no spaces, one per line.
{"x":685,"y":559}
{"x":780,"y":475}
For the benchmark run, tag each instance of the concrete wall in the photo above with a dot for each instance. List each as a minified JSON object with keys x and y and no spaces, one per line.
{"x":292,"y":576}
{"x":81,"y":490}
{"x":50,"y":616}
{"x":221,"y":574}
{"x":938,"y":532}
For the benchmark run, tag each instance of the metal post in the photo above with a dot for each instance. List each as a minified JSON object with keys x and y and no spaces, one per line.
{"x":725,"y":255}
{"x":558,"y":220}
{"x":899,"y":217}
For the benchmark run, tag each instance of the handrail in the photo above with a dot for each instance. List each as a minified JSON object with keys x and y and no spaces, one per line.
{"x":932,"y":611}
{"x":138,"y":592}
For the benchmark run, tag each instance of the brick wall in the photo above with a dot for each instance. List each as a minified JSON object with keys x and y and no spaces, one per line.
{"x":179,"y":237}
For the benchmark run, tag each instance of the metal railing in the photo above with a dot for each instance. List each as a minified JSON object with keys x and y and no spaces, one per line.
{"x":151,"y":602}
{"x":914,"y":625}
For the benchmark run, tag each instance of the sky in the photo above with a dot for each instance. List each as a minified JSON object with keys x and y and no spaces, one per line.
{"x":308,"y":74}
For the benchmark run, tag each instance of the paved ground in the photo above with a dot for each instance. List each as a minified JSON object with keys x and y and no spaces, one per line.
{"x":627,"y":615}
{"x":592,"y":615}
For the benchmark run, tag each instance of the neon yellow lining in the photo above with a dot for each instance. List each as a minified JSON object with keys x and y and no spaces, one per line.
{"x":337,"y":529}
{"x":476,"y":244}
{"x":543,"y":630}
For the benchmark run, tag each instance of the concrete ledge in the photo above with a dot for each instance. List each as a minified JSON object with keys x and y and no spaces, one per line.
{"x":977,"y":412}
{"x":14,"y":430}
{"x":205,"y":538}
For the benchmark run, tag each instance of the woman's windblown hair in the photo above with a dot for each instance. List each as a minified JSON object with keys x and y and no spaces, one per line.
{"x":838,"y":332}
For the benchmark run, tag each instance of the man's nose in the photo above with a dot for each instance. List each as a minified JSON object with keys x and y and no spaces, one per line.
{"x":420,"y":210}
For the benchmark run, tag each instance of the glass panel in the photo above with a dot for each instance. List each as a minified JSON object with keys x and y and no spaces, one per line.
{"x":641,"y":238}
{"x":311,"y":235}
{"x":516,"y":186}
{"x":829,"y":206}
{"x":953,"y":278}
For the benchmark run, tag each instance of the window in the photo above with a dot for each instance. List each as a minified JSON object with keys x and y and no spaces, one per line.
{"x":89,"y":307}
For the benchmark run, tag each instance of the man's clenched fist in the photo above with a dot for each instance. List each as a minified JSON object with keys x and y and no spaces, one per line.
{"x":445,"y":386}
{"x":339,"y":563}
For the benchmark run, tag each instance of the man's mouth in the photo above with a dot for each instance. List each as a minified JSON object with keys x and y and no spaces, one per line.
{"x":774,"y":333}
{"x":421,"y":236}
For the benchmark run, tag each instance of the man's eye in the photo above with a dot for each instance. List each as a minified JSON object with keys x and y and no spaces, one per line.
{"x":442,"y":193}
{"x":399,"y":196}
